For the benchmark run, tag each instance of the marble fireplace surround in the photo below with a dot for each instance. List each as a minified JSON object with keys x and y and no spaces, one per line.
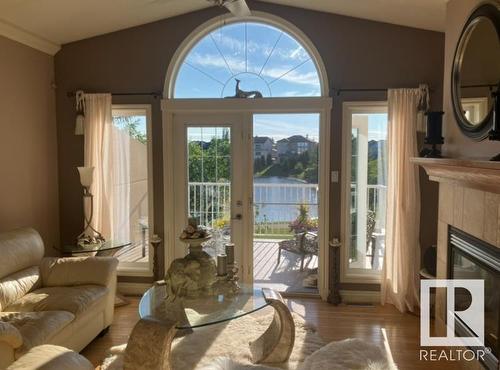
{"x":469,"y":200}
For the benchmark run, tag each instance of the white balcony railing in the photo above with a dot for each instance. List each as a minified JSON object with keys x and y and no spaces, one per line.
{"x":275,"y":205}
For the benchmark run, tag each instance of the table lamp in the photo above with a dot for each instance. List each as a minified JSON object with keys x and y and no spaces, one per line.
{"x":89,"y":235}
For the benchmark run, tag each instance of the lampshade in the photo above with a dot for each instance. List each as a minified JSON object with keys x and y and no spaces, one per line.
{"x":86,"y":176}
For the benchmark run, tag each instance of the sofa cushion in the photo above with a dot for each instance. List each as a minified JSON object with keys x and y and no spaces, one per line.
{"x":49,"y":357}
{"x":75,"y":299}
{"x":36,"y":327}
{"x":18,"y":284}
{"x":22,"y":248}
{"x":73,"y":271}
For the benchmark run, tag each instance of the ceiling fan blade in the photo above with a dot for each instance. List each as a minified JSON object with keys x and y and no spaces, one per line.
{"x":238,"y":8}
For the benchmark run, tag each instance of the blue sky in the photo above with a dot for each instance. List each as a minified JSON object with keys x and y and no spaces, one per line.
{"x":279,"y":126}
{"x":261,"y":56}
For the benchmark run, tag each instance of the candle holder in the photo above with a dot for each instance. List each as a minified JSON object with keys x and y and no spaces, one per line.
{"x":433,"y":135}
{"x":155,"y":242}
{"x":221,"y":265}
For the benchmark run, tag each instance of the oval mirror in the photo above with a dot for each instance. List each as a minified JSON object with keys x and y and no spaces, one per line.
{"x":476,"y":71}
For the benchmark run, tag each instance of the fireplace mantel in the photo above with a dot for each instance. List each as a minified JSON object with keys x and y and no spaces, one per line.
{"x":477,"y":174}
{"x":469,"y":200}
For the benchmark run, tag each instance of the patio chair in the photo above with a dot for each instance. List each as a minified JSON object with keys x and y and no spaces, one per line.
{"x":303,"y":244}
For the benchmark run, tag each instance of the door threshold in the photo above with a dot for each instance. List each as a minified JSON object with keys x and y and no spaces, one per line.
{"x":299,"y":295}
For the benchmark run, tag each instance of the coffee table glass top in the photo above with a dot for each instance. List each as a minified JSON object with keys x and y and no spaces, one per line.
{"x":190,"y":313}
{"x":88,"y":248}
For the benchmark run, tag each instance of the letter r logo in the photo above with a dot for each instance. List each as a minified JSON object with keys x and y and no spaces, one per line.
{"x":473,"y":316}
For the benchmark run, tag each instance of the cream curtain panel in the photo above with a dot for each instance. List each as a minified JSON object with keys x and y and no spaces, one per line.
{"x":399,"y":284}
{"x":98,"y":154}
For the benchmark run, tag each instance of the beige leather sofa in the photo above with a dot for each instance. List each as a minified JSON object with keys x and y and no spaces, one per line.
{"x":60,"y":301}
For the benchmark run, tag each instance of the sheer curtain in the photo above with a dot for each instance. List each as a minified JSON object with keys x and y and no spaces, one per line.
{"x":399,"y":284}
{"x":98,"y":154}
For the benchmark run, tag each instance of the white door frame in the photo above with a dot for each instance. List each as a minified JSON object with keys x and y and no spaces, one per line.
{"x":347,"y":274}
{"x":247,"y":108}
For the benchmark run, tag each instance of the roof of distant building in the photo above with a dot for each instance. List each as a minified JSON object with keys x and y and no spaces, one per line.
{"x":296,"y":139}
{"x":261,"y":139}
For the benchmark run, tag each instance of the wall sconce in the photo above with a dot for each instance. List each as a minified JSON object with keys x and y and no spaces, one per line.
{"x":80,"y":112}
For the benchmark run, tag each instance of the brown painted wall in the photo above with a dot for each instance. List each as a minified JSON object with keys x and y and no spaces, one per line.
{"x":357,"y":54}
{"x":456,"y":143}
{"x":28,"y":144}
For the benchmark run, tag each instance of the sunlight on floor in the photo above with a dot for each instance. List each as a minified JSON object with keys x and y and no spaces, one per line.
{"x":387,"y":347}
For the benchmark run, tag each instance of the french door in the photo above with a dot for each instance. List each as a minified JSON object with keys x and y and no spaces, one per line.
{"x":215,"y":167}
{"x":210,"y":176}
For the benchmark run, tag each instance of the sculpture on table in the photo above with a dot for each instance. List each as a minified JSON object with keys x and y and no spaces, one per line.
{"x":194,"y":274}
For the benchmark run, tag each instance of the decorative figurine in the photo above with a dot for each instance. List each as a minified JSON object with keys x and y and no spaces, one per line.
{"x":241,"y":94}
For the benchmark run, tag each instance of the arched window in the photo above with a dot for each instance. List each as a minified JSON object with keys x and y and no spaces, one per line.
{"x":266,"y":60}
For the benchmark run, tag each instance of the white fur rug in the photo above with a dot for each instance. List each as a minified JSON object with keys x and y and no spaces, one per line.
{"x":225,"y":347}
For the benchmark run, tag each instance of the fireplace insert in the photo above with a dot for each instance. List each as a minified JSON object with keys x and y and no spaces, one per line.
{"x":472,"y":258}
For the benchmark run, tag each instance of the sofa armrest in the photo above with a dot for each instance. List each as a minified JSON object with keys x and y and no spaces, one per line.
{"x":10,"y":335}
{"x":72,"y":271}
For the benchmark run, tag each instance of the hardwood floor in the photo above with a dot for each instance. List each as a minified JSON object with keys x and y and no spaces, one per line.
{"x":332,"y":322}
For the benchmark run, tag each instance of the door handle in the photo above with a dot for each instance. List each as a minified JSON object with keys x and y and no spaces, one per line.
{"x":238,"y":216}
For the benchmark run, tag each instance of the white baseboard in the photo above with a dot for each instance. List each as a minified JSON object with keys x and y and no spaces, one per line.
{"x":133,"y":288}
{"x":360,"y":296}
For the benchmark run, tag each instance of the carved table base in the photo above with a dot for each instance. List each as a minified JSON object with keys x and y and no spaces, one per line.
{"x":149,"y":345}
{"x":276,"y":344}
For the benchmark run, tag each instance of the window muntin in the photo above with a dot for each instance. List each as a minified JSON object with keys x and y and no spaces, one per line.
{"x":265,"y":59}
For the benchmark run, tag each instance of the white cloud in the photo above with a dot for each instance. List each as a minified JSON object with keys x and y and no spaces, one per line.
{"x":237,"y":46}
{"x":295,"y":76}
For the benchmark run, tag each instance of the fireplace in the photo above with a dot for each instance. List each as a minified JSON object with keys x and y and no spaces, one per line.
{"x":472,"y":258}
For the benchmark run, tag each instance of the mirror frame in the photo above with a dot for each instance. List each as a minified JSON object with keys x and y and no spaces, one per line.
{"x":480,"y":131}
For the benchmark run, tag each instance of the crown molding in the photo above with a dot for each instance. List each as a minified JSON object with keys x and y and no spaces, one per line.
{"x":27,"y":38}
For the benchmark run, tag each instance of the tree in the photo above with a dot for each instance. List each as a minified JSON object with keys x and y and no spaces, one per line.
{"x":131,"y":124}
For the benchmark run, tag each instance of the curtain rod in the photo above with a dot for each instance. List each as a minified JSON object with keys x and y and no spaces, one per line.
{"x":72,"y":94}
{"x":378,"y":89}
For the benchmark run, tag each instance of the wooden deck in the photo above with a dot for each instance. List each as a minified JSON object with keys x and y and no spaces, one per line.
{"x":285,"y":276}
{"x":132,"y":253}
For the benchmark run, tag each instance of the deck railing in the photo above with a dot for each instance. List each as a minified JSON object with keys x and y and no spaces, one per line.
{"x":275,"y":205}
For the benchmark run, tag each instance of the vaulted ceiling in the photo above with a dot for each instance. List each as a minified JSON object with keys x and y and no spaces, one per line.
{"x":47,"y":24}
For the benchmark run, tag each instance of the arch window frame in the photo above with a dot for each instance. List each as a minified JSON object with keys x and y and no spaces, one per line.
{"x":257,"y":17}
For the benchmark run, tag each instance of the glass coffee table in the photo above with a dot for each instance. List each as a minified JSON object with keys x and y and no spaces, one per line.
{"x":163,"y":318}
{"x":107,"y":248}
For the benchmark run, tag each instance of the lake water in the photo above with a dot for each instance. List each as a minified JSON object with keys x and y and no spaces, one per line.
{"x":278,"y":198}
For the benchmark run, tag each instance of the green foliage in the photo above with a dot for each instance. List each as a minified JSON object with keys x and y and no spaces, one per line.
{"x":131,"y":124}
{"x":302,"y":166}
{"x":210,"y":162}
{"x":303,"y":222}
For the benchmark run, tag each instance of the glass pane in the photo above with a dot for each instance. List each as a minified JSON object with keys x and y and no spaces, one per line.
{"x":286,"y":162}
{"x":262,"y":57}
{"x":209,"y":185}
{"x":130,"y":184}
{"x":368,"y":190}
